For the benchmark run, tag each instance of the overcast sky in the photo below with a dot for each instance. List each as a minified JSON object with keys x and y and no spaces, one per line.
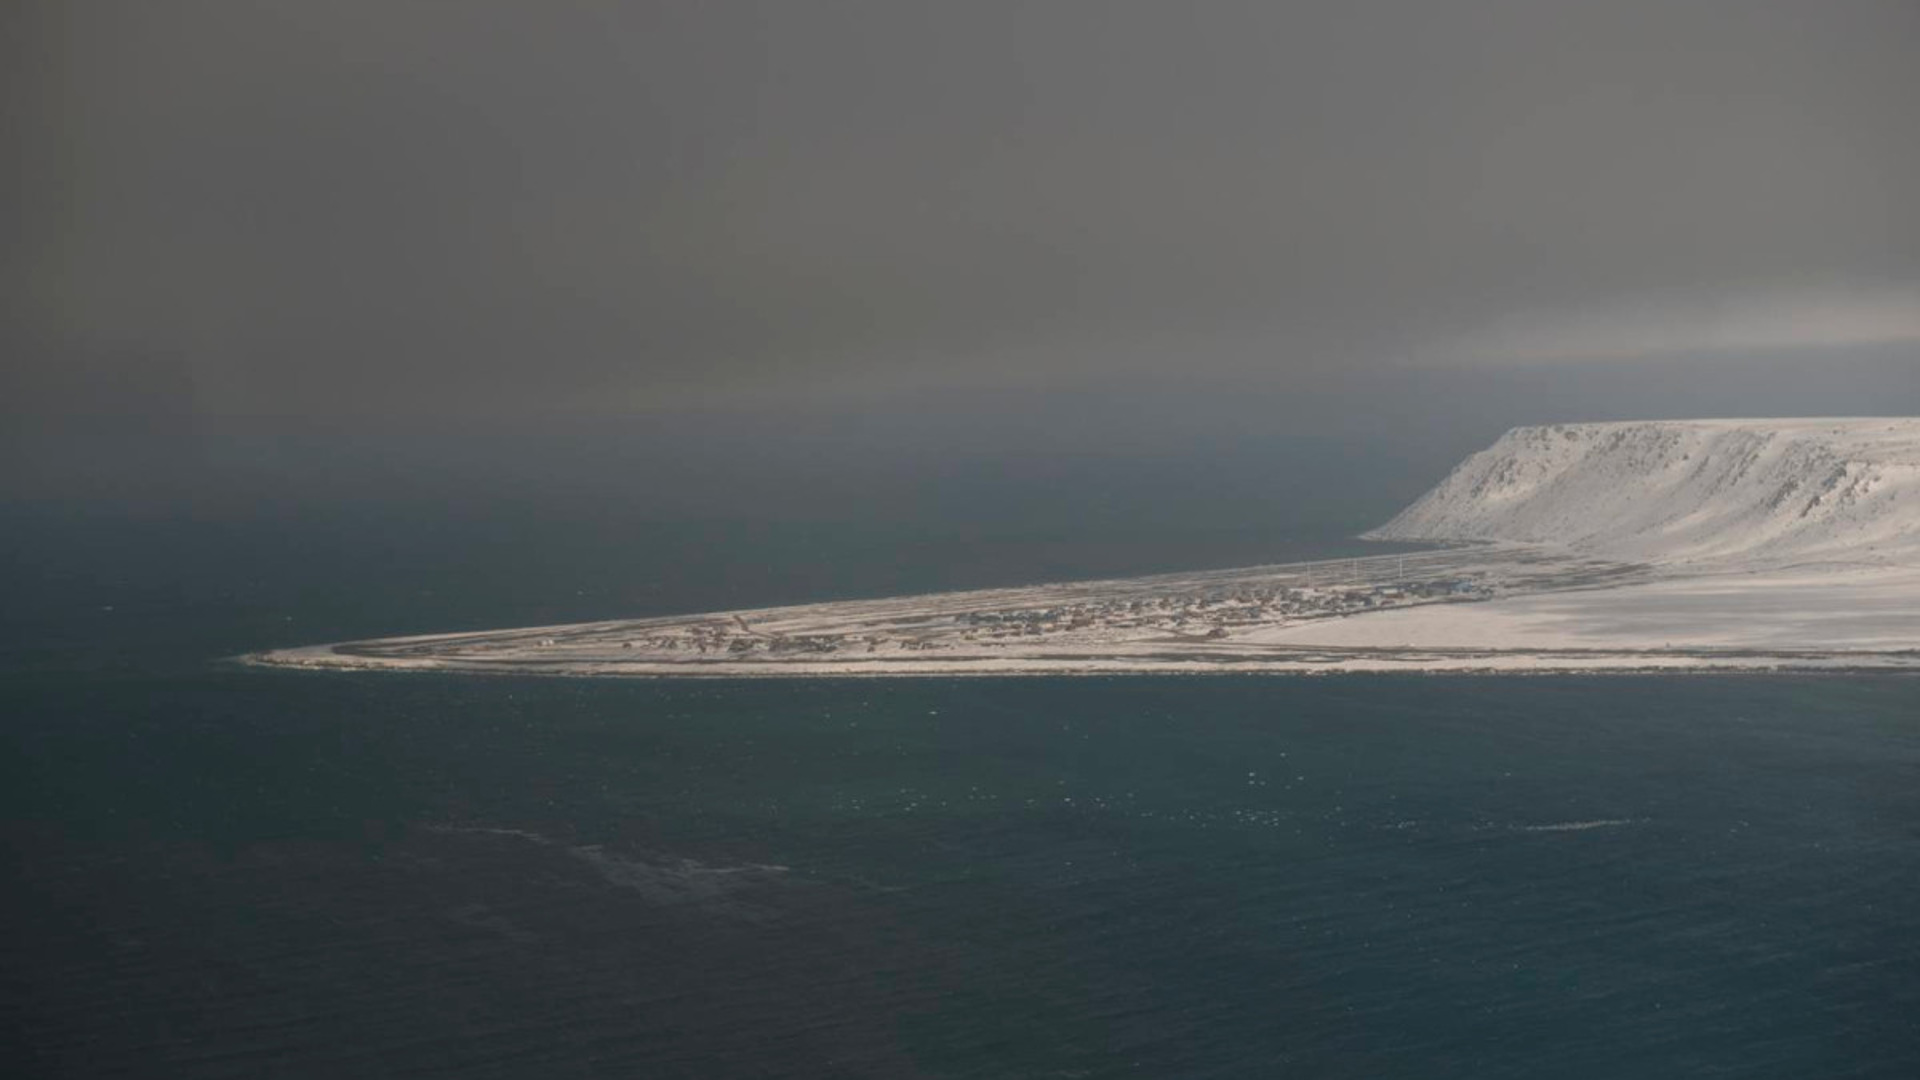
{"x":469,"y":207}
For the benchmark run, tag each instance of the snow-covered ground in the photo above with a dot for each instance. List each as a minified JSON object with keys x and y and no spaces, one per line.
{"x":1738,"y":493}
{"x":1671,"y":545}
{"x":1848,"y":610}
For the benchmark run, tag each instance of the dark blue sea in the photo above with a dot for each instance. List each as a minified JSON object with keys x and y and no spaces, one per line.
{"x":214,"y":871}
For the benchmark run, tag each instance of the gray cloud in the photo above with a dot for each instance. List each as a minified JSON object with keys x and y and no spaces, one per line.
{"x":486,"y":207}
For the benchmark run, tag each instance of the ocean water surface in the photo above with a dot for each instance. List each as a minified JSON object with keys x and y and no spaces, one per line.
{"x":218,"y":871}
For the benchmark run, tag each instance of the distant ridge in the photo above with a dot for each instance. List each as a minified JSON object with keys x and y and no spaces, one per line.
{"x":1759,"y":492}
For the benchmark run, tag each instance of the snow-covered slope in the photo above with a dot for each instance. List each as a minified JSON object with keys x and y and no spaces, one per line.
{"x":1735,"y":491}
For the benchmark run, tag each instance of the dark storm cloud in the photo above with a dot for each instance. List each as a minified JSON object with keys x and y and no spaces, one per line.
{"x":342,"y":207}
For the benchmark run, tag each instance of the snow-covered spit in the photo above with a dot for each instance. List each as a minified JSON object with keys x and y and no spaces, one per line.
{"x":1713,"y":545}
{"x":1756,"y":493}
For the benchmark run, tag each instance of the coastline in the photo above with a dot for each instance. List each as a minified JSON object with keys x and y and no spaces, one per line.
{"x":1907,"y":663}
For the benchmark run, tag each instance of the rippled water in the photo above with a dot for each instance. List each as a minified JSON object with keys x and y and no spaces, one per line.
{"x":229,"y":872}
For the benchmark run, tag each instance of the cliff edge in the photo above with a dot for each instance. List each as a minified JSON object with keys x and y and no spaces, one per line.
{"x":1759,"y":492}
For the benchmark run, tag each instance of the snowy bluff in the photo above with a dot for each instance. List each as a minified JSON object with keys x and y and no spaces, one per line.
{"x":1756,"y":492}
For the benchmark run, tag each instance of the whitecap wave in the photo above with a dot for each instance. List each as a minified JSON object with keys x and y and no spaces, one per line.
{"x":1579,"y":826}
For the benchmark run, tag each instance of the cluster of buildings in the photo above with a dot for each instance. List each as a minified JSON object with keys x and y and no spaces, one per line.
{"x":1198,"y":611}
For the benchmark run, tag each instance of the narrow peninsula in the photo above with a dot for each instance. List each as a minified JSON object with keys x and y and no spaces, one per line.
{"x":1662,"y":545}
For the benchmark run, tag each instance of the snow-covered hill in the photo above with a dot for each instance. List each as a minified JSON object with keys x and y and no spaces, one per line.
{"x":1758,"y":492}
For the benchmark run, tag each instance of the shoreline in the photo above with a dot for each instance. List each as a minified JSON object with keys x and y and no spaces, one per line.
{"x":1463,"y":662}
{"x":1905,"y":665}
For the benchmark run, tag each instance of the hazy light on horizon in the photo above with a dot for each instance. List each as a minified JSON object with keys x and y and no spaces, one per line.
{"x":1762,"y":322}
